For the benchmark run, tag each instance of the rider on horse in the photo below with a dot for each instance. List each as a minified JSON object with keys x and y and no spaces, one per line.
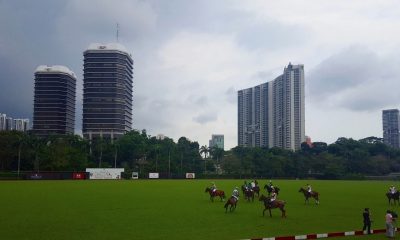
{"x":309,"y":190}
{"x":272,"y":198}
{"x":271,"y":186}
{"x":213,"y":187}
{"x":392,"y":189}
{"x":250,"y":186}
{"x":235,"y":193}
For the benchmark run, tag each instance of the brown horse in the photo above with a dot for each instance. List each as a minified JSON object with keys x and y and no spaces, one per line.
{"x":395,"y":196}
{"x":249,"y":195}
{"x":271,"y":205}
{"x":216,"y":193}
{"x":308,"y":195}
{"x":232,"y":201}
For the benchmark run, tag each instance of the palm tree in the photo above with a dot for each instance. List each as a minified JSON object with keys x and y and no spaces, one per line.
{"x":204,"y":149}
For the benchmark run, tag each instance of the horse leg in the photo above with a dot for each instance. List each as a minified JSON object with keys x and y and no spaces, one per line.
{"x":270,"y":215}
{"x":283,"y":212}
{"x":264,"y":211}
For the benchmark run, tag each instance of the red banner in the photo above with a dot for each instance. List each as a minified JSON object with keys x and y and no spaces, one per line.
{"x":78,"y":175}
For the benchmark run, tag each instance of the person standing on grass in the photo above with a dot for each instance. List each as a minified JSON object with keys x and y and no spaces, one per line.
{"x":389,"y":220}
{"x":367,"y":221}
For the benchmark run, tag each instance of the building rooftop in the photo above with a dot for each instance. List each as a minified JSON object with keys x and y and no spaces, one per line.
{"x":108,"y":46}
{"x":55,"y":69}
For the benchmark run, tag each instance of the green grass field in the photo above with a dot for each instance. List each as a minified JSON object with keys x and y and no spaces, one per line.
{"x":179,"y":209}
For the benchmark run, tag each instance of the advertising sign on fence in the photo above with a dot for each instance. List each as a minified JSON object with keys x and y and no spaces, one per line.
{"x":153,"y":175}
{"x":104,"y":173}
{"x":78,"y":175}
{"x":190,"y":175}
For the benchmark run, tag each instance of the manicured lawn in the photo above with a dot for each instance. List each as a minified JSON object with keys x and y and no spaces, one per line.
{"x":179,"y":209}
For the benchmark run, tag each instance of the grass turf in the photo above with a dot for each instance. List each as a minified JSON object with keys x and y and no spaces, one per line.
{"x":179,"y":209}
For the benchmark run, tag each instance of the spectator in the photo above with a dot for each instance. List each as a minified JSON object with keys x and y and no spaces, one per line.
{"x":367,"y":220}
{"x":389,"y":219}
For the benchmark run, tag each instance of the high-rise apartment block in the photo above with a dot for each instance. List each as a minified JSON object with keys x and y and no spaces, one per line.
{"x":107,"y":91}
{"x":217,"y":140}
{"x":54,"y":100}
{"x":390,"y":122}
{"x":273,"y":114}
{"x":6,"y":123}
{"x":21,"y":125}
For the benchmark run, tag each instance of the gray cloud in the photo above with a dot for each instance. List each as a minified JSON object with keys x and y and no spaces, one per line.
{"x":231,"y":95}
{"x":357,"y":79}
{"x":192,"y":56}
{"x":206,"y":117}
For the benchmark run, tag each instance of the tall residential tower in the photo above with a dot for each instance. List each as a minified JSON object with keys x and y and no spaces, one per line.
{"x":390,"y":122}
{"x":107,"y":91}
{"x":273,"y":114}
{"x":54,"y":101}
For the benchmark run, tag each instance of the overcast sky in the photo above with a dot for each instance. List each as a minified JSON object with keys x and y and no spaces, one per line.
{"x":191,"y":58}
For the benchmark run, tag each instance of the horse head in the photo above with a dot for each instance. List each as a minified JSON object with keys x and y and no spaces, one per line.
{"x":302,"y":190}
{"x":262,"y":197}
{"x":207,"y":189}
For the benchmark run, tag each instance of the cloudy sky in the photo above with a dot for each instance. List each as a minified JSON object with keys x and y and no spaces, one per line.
{"x":191,"y":58}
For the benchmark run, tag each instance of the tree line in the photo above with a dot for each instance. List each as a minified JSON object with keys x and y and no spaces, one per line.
{"x":137,"y":151}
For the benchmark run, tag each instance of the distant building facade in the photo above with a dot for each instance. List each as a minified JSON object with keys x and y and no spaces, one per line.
{"x":217,"y":140}
{"x":54,"y":101}
{"x":2,"y":121}
{"x":160,"y":136}
{"x":272,"y":114}
{"x":21,"y":125}
{"x":107,"y":91}
{"x":390,"y":122}
{"x":8,"y":123}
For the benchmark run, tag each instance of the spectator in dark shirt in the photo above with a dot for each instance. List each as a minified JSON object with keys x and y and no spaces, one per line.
{"x":367,"y":221}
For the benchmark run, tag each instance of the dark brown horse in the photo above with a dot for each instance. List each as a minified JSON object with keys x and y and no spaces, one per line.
{"x":256,"y":189}
{"x":271,"y":205}
{"x":232,"y":201}
{"x":308,"y":195}
{"x":216,"y":193}
{"x":269,"y":189}
{"x":395,"y":196}
{"x":249,"y":195}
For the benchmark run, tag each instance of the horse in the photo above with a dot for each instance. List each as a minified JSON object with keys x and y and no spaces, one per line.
{"x":395,"y":196}
{"x":256,"y":189}
{"x":269,"y":189}
{"x":244,"y":187}
{"x":271,"y":205}
{"x":216,"y":193}
{"x":232,"y":201}
{"x":249,"y":194}
{"x":308,"y":195}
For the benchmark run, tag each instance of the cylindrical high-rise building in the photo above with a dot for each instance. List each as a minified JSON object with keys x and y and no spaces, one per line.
{"x":107,"y":91}
{"x":54,"y":101}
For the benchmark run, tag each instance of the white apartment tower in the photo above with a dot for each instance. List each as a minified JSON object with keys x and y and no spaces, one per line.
{"x":273,"y":114}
